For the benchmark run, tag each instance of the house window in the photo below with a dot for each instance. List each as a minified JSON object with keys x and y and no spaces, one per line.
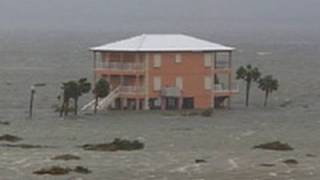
{"x":207,"y":83}
{"x":207,"y":60}
{"x":188,"y":103}
{"x":179,"y":82}
{"x":157,"y":60}
{"x":157,"y":83}
{"x":178,"y":58}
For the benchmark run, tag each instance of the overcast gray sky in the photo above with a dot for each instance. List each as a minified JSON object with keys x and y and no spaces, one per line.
{"x":153,"y":15}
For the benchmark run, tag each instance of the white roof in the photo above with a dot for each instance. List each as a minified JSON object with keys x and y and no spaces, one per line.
{"x":162,"y":42}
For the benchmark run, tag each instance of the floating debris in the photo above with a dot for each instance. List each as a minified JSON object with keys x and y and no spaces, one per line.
{"x":6,"y":123}
{"x":24,"y":146}
{"x":267,"y":165}
{"x":54,"y":170}
{"x":66,"y":157}
{"x":290,"y":162}
{"x":81,"y":170}
{"x":286,"y":103}
{"x":10,"y":138}
{"x":276,"y":146}
{"x":311,"y":155}
{"x":115,"y":145}
{"x":40,"y":84}
{"x":207,"y":112}
{"x":200,"y":161}
{"x":58,"y":171}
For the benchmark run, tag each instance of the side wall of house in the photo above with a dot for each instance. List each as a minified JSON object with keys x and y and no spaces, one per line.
{"x":189,"y":67}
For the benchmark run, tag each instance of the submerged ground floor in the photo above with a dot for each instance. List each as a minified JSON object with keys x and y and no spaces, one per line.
{"x":173,"y":143}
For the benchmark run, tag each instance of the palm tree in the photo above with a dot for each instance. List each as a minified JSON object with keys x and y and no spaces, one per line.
{"x":68,"y":92}
{"x":249,"y":74}
{"x":268,"y":85}
{"x":73,"y":90}
{"x":101,"y":90}
{"x":83,"y":87}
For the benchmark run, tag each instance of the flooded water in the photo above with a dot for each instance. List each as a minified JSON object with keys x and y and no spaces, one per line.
{"x":172,"y":142}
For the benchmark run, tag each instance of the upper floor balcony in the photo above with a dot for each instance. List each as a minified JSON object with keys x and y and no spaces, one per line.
{"x":222,"y":90}
{"x":124,"y":68}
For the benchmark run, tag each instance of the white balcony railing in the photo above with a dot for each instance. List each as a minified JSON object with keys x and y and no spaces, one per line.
{"x":134,"y":90}
{"x":222,"y":65}
{"x":123,"y":66}
{"x":221,"y":88}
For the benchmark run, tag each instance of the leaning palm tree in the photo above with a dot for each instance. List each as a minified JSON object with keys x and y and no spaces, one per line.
{"x":83,"y":86}
{"x":249,"y":74}
{"x":268,"y":85}
{"x":101,"y":90}
{"x":73,"y":90}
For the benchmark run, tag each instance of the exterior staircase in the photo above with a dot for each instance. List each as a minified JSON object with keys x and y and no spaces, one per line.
{"x":103,"y":103}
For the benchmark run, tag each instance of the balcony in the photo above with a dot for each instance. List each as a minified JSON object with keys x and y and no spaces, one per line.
{"x":121,"y":68}
{"x":222,"y":67}
{"x":222,"y":90}
{"x":132,"y":90}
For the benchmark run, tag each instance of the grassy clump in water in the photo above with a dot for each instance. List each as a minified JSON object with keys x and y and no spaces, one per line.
{"x":66,"y":157}
{"x":276,"y":146}
{"x":116,"y":145}
{"x":207,"y":112}
{"x":10,"y":138}
{"x":5,"y":123}
{"x":54,"y":170}
{"x":58,"y":171}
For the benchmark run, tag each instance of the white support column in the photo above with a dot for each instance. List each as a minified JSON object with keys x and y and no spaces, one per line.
{"x":146,"y":81}
{"x":121,"y":83}
{"x":212,"y":58}
{"x":230,"y":78}
{"x":94,"y":69}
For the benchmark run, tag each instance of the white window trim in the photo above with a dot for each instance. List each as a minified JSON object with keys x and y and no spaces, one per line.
{"x":178,"y":58}
{"x":207,"y":83}
{"x":179,"y":82}
{"x":157,"y":60}
{"x":157,"y":83}
{"x":207,"y":59}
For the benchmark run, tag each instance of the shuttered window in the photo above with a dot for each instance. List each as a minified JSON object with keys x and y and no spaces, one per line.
{"x":207,"y":83}
{"x":178,"y":58}
{"x":157,"y":60}
{"x":157,"y":83}
{"x":207,"y":59}
{"x":179,"y":82}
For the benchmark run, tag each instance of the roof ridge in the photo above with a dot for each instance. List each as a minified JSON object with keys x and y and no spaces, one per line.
{"x":143,"y":37}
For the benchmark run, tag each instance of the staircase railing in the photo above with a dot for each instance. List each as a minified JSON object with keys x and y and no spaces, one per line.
{"x":103,"y":103}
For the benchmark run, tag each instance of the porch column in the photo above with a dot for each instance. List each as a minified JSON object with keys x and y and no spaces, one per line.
{"x":121,"y":82}
{"x":180,"y":101}
{"x":107,"y":63}
{"x":146,"y":82}
{"x":213,"y":66}
{"x":230,"y":78}
{"x":94,"y":69}
{"x":163,"y":103}
{"x":137,"y":83}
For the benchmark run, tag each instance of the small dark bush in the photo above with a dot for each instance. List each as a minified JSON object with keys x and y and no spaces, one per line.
{"x":290,"y":161}
{"x":207,"y":112}
{"x":116,"y":145}
{"x":54,"y":170}
{"x":81,"y":170}
{"x":10,"y":138}
{"x":276,"y":146}
{"x":66,"y":157}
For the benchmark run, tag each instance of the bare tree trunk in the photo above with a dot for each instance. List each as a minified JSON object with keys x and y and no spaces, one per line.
{"x":66,"y":107}
{"x":266,"y":98}
{"x":96,"y":104}
{"x":75,"y":106}
{"x":62,"y":108}
{"x":248,"y":92}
